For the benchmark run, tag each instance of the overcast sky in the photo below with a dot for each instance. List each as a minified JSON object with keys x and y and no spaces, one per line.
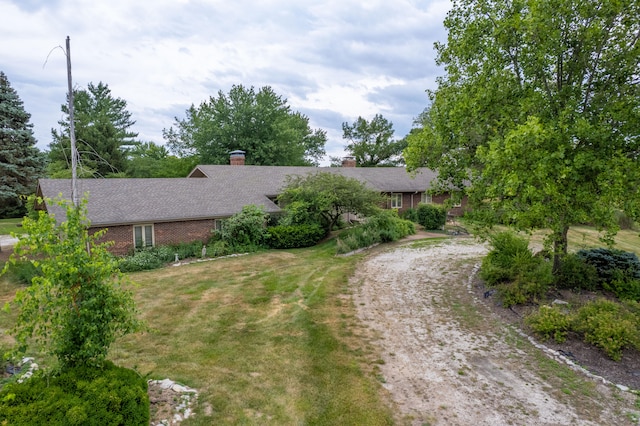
{"x":332,"y":60}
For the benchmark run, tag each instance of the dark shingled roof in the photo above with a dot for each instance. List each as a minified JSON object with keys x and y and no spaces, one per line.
{"x":222,"y":193}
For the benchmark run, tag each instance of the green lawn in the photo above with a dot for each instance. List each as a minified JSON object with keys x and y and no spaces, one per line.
{"x":263,"y":337}
{"x":267,"y":338}
{"x":7,"y":226}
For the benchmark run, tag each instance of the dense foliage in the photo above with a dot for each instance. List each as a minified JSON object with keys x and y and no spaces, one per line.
{"x":294,"y":236}
{"x":518,"y":275}
{"x":77,"y":396}
{"x":149,"y":160}
{"x":382,"y":227}
{"x":259,"y":123}
{"x":75,"y":307}
{"x":538,"y":113}
{"x":246,"y":228}
{"x":432,"y":216}
{"x":102,"y":125}
{"x":609,"y":325}
{"x":158,"y":256}
{"x":21,"y":163}
{"x":325,"y":197}
{"x":372,"y":143}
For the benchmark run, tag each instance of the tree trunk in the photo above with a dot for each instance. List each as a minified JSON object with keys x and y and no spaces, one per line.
{"x":560,"y":243}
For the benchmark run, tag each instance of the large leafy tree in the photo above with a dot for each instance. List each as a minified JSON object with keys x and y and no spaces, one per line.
{"x":538,"y":113}
{"x":327,"y":196}
{"x":21,"y":163}
{"x":103,"y":135}
{"x":259,"y":123}
{"x":372,"y":143}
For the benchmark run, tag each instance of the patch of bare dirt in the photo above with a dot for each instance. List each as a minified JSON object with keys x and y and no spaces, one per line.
{"x":448,"y":359}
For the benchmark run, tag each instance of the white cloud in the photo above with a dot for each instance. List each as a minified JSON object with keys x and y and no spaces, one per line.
{"x":337,"y":59}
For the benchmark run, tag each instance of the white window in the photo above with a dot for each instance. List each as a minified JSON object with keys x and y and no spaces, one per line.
{"x":426,"y":198}
{"x":218,"y":224}
{"x":143,"y":236}
{"x":396,"y":201}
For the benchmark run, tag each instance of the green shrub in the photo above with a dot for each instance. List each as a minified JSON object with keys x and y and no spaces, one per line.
{"x":141,"y":260}
{"x":385,"y":226}
{"x":156,"y":257}
{"x":607,"y":261}
{"x":609,"y":326}
{"x":500,"y":264}
{"x":411,"y":214}
{"x":624,"y":287}
{"x":294,"y":236}
{"x":77,"y":396}
{"x":549,"y":322}
{"x":432,"y":216}
{"x":245,"y":229}
{"x":511,"y":267}
{"x":576,"y":274}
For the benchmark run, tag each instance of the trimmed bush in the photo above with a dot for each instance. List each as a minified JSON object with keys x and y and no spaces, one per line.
{"x":245,"y":229}
{"x":607,"y":261}
{"x":432,"y":216}
{"x":294,"y":236}
{"x":78,"y":396}
{"x":550,"y":322}
{"x":609,"y":326}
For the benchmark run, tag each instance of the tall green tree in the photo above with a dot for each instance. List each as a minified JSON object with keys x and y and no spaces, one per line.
{"x":372,"y":143}
{"x":259,"y":123}
{"x":103,"y":135}
{"x":538,"y":113}
{"x":327,"y":196}
{"x":21,"y":163}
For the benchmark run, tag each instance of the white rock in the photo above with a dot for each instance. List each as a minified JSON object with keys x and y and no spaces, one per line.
{"x":166,"y":383}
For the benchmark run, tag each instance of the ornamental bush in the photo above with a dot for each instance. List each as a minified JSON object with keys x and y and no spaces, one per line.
{"x":82,"y":395}
{"x":607,"y":261}
{"x":432,"y":216}
{"x":294,"y":236}
{"x":550,"y":322}
{"x":608,"y":325}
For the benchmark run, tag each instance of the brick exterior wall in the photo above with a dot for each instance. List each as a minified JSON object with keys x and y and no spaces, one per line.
{"x":164,"y":234}
{"x":411,"y":200}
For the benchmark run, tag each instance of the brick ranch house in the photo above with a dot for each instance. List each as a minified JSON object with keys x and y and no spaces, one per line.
{"x":162,"y":211}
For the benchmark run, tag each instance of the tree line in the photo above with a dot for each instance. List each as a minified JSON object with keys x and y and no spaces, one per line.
{"x":259,"y":122}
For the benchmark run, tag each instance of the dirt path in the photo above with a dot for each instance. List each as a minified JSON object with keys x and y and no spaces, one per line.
{"x":447,"y":360}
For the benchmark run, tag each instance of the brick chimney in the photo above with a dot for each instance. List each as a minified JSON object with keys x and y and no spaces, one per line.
{"x":349,"y":161}
{"x":236,"y":158}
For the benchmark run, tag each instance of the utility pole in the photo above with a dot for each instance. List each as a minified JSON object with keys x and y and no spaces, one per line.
{"x":72,"y":132}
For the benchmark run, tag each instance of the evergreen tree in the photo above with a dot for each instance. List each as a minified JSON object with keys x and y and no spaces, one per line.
{"x":21,"y":163}
{"x":102,"y":125}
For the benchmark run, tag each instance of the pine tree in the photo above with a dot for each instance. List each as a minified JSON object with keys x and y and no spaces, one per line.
{"x":21,"y":163}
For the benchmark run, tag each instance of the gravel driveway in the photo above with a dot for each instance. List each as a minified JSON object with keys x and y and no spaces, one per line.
{"x":447,"y":360}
